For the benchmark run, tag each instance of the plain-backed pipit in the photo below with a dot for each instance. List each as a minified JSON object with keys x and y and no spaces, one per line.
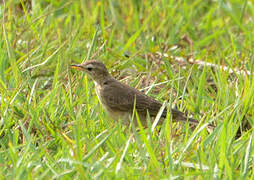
{"x":118,"y":99}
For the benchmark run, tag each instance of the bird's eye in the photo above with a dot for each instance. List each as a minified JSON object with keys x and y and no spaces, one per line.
{"x":89,"y":69}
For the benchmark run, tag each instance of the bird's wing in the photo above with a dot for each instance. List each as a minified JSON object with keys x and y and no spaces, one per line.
{"x":121,"y":97}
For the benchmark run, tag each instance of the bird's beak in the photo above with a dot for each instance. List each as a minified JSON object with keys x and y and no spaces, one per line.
{"x":77,"y":66}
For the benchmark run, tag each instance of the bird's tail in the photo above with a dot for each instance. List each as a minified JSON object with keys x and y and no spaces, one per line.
{"x":180,"y":116}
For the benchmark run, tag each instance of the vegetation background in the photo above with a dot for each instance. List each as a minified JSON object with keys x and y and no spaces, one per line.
{"x":52,"y":125}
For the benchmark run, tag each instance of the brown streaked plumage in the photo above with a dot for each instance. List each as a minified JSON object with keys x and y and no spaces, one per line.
{"x":118,"y":99}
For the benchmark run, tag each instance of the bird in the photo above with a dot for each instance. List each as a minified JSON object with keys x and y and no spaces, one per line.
{"x":119,"y":99}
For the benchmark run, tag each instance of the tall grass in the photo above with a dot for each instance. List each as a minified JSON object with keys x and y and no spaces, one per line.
{"x":52,"y":125}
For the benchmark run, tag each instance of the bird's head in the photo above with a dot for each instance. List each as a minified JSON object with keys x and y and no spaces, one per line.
{"x":95,"y":69}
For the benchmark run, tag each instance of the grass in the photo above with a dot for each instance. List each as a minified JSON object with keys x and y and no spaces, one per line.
{"x":52,"y":125}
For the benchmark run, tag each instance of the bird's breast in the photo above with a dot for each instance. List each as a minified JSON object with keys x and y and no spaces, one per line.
{"x":98,"y":90}
{"x":112,"y":113}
